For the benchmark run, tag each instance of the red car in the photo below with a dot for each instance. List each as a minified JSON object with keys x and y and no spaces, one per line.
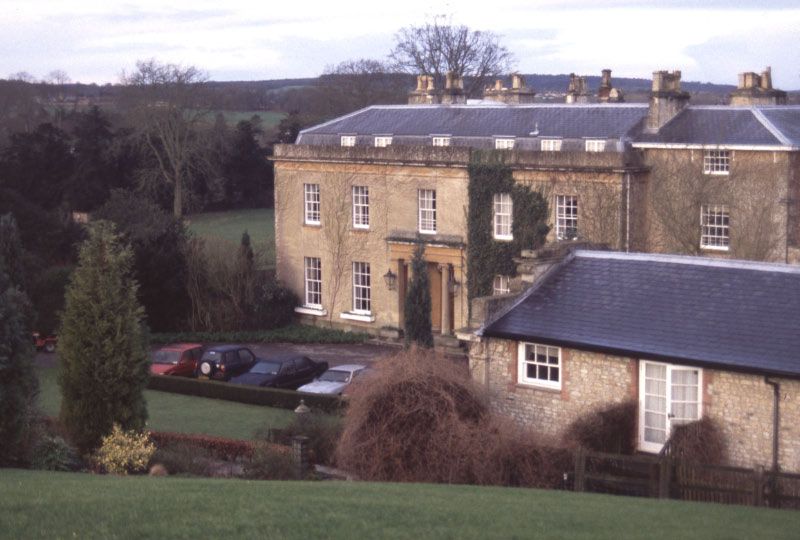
{"x":176,"y":359}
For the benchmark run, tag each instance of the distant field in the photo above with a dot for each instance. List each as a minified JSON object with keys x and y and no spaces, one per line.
{"x":65,"y":505}
{"x":229,"y":226}
{"x":184,"y":414}
{"x":269,"y":119}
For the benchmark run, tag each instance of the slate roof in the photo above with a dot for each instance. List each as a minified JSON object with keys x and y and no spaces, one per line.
{"x":695,"y":125}
{"x":729,"y":314}
{"x":607,"y":121}
{"x":720,"y":125}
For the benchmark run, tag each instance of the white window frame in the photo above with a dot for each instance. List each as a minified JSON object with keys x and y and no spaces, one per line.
{"x":362,"y":288}
{"x":348,"y":140}
{"x":311,"y":204}
{"x":504,"y":143}
{"x":715,"y":227}
{"x":550,"y":145}
{"x":563,"y":220}
{"x":426,"y":216}
{"x":440,"y":141}
{"x":523,"y":362}
{"x":717,"y":162}
{"x":502,"y":216}
{"x":312,"y":282}
{"x":383,"y":141}
{"x":361,"y":207}
{"x":650,"y":446}
{"x":500,"y":285}
{"x":595,"y":145}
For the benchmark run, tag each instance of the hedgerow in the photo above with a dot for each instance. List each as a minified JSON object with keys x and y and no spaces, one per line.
{"x":287,"y":334}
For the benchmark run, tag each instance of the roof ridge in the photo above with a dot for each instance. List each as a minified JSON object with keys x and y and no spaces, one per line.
{"x":778,"y":134}
{"x":690,"y":260}
{"x":331,"y":121}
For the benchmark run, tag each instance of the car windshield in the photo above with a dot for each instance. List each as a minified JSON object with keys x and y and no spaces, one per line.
{"x":166,"y":357}
{"x":333,"y":375}
{"x":266,"y":368}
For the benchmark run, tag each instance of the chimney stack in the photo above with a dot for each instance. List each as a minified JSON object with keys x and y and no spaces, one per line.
{"x":453,"y":89}
{"x":519,"y":93}
{"x":425,"y":92}
{"x":607,"y":93}
{"x":666,"y":99}
{"x":757,"y":89}
{"x":576,"y":91}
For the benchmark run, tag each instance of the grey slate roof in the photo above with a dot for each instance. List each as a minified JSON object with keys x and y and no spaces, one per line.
{"x":607,"y":121}
{"x":699,"y":311}
{"x":477,"y":124}
{"x":718,"y":126}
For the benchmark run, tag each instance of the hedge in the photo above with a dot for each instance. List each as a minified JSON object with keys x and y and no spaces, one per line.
{"x":288,"y":334}
{"x":219,"y":447}
{"x":253,"y":395}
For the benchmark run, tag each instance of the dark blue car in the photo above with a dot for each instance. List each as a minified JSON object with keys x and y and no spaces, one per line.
{"x":288,"y":371}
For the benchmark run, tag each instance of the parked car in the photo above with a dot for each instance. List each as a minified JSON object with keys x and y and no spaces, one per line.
{"x":176,"y":359}
{"x":222,"y":362}
{"x":335,"y":380}
{"x":288,"y":371}
{"x":46,"y":343}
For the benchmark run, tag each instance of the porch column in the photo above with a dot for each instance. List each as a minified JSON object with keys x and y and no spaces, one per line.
{"x":445,"y":270}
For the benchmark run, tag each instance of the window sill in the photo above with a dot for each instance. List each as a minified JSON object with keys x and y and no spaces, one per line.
{"x":361,"y":317}
{"x":316,"y":312}
{"x":313,"y":225}
{"x":717,"y":173}
{"x":503,"y":238}
{"x":715,"y":248}
{"x":544,"y":388}
{"x":427,"y":232}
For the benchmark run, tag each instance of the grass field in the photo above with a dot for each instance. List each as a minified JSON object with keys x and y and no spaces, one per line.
{"x":269,"y":119}
{"x":228,"y":227}
{"x":60,"y":505}
{"x":184,"y":414}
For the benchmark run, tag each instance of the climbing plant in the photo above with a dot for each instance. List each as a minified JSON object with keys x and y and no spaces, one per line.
{"x":487,"y":257}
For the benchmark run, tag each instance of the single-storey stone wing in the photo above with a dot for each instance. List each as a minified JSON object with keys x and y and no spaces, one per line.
{"x":686,"y":337}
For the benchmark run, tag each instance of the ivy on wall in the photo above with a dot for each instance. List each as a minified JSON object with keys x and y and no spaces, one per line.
{"x":487,"y":257}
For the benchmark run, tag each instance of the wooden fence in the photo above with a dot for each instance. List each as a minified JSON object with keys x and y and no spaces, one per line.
{"x":666,"y":478}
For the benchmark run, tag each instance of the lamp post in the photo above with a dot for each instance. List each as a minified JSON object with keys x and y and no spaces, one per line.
{"x":391,"y":279}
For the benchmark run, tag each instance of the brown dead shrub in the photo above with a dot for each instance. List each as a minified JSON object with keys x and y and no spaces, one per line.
{"x":419,"y":419}
{"x":700,"y":442}
{"x":609,"y":429}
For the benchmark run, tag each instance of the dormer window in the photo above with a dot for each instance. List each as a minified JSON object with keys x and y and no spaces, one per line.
{"x":383,"y":142}
{"x":551,"y":145}
{"x":348,"y":140}
{"x":504,"y":144}
{"x":440,"y":141}
{"x":595,"y":145}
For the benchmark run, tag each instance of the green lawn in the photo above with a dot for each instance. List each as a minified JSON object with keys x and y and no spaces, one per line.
{"x":228,"y":227}
{"x":269,"y":119}
{"x":60,"y":505}
{"x":185,"y":414}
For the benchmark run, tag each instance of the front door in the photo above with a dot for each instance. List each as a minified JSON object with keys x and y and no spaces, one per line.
{"x":669,"y":395}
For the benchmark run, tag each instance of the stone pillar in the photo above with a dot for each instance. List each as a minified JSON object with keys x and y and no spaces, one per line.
{"x":445,"y":269}
{"x":300,"y":455}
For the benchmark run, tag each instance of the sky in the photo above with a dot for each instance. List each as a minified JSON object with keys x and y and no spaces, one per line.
{"x":96,"y":40}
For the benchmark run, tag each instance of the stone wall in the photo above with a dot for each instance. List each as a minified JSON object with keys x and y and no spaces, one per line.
{"x":741,"y":403}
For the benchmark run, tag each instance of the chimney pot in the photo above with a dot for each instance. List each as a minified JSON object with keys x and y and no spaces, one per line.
{"x":516,"y":81}
{"x":766,"y":78}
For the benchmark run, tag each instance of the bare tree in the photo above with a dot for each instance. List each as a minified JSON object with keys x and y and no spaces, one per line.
{"x":58,"y":77}
{"x":356,"y":84}
{"x":167,"y":104}
{"x":438,"y":47}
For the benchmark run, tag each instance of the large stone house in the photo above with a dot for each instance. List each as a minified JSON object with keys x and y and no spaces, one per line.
{"x":353,"y":196}
{"x":684,"y":337}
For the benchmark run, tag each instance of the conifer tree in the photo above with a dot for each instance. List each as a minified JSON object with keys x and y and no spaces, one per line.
{"x":417,"y":313}
{"x":18,"y":385}
{"x":102,"y":343}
